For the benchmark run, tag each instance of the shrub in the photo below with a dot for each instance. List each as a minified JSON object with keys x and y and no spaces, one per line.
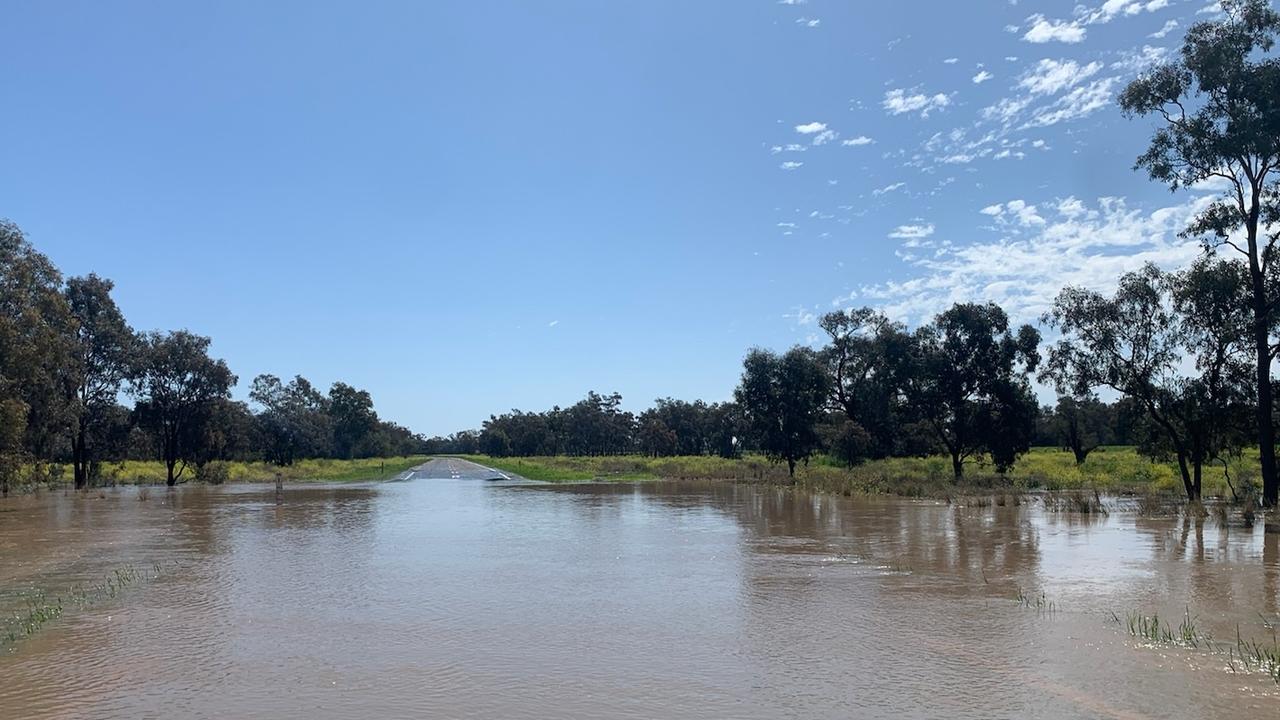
{"x":214,"y":472}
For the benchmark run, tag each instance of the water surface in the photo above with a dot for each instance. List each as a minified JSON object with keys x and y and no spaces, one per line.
{"x":450,"y":595}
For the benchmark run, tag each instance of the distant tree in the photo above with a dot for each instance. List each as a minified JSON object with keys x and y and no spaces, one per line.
{"x":1135,"y":341}
{"x":1081,"y":424}
{"x":864,"y":358}
{"x":35,"y":353}
{"x":845,"y":439}
{"x":782,"y":399}
{"x":294,"y":422}
{"x":104,"y":347}
{"x":177,"y":385}
{"x":227,"y":433}
{"x":967,"y":382}
{"x":495,"y":443}
{"x":1219,"y":103}
{"x":353,"y":418}
{"x":597,"y":425}
{"x":724,"y":429}
{"x":655,"y":437}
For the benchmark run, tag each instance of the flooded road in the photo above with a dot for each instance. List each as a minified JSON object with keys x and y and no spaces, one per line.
{"x":457,"y":593}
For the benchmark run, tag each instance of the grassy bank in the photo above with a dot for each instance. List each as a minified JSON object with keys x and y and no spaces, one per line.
{"x":1109,"y":469}
{"x":152,"y":472}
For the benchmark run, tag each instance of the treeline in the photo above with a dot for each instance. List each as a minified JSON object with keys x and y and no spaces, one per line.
{"x":1173,"y":346}
{"x":68,"y":357}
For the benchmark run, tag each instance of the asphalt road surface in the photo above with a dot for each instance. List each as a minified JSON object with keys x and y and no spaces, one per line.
{"x":457,"y":469}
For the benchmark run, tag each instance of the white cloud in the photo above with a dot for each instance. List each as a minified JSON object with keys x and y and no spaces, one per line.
{"x":1111,"y":9}
{"x":897,"y":102}
{"x":951,"y":61}
{"x":1015,"y":212}
{"x":790,"y":165}
{"x":1076,"y":104}
{"x":1051,"y":76}
{"x":825,"y":137}
{"x":1043,"y":30}
{"x":888,"y":188}
{"x":982,"y":77}
{"x":553,"y":323}
{"x":793,"y":2}
{"x":1168,"y":28}
{"x":912,"y":232}
{"x":808,"y":22}
{"x":1137,"y":61}
{"x":811,"y":128}
{"x":860,"y":140}
{"x":789,"y":147}
{"x":1033,"y":260}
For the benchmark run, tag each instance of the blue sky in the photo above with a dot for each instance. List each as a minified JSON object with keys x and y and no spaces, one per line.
{"x":468,"y":207}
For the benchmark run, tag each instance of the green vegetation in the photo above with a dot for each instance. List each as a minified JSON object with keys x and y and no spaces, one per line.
{"x":68,"y":357}
{"x":1108,"y":469}
{"x":41,"y":608}
{"x":1242,"y":656}
{"x":153,"y":472}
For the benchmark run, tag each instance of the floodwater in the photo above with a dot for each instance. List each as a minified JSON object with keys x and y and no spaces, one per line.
{"x":452,"y":596}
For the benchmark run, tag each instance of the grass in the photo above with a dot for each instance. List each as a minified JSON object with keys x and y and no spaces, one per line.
{"x":1040,"y":603}
{"x":152,"y":472}
{"x":41,"y":608}
{"x":1242,"y":656}
{"x":1112,"y":470}
{"x":1152,"y":629}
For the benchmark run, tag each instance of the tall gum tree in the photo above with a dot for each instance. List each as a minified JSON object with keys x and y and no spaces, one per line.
{"x":104,"y":347}
{"x":1219,"y":107}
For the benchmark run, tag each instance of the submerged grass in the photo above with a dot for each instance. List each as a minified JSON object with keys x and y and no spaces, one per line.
{"x":1242,"y":656}
{"x":1040,"y":603}
{"x":40,"y":608}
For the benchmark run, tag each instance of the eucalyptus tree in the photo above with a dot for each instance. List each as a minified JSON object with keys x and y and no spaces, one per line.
{"x":294,"y":421}
{"x":1218,"y":104}
{"x":782,"y":399}
{"x":354,"y":420}
{"x":1080,"y":424}
{"x":1136,"y":342}
{"x":35,"y":353}
{"x":863,"y":357}
{"x":177,"y":385}
{"x":104,"y":346}
{"x":967,"y":382}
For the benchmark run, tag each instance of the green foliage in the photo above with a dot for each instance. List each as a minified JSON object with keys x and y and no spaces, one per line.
{"x":782,"y":400}
{"x":1219,"y":102}
{"x":966,"y":379}
{"x":1136,"y":341}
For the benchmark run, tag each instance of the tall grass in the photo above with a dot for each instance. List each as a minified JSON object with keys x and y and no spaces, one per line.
{"x":1109,"y":469}
{"x":152,"y":472}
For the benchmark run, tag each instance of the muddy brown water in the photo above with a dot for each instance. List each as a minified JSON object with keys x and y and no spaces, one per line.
{"x":449,"y":595}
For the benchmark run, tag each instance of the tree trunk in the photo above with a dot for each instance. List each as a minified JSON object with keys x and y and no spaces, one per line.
{"x":1186,"y":477}
{"x":1266,"y":424}
{"x":170,"y":480}
{"x":791,"y":468}
{"x":79,"y":458}
{"x":1196,"y":481}
{"x":957,"y":465}
{"x":1080,"y":454}
{"x":1262,"y":364}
